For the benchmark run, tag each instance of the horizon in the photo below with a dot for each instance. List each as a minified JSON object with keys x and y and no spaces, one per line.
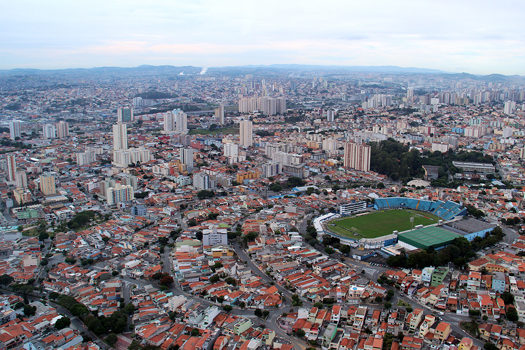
{"x":416,"y":70}
{"x":448,"y":36}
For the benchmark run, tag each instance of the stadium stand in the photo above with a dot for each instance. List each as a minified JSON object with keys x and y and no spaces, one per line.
{"x":446,"y":210}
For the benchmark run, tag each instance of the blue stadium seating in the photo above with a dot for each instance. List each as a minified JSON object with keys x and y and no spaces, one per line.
{"x":445,"y":210}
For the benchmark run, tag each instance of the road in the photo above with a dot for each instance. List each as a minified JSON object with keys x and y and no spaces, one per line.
{"x":274,"y":314}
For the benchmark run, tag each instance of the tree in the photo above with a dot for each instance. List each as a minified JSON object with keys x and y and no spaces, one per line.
{"x":214,"y":278}
{"x":300,"y":333}
{"x":29,"y":310}
{"x":6,"y":280}
{"x":258,"y":312}
{"x":508,"y":298}
{"x":111,"y":339}
{"x":227,"y":308}
{"x":388,"y":305}
{"x":490,"y":346}
{"x":166,"y":280}
{"x":195,"y":332}
{"x":62,"y":322}
{"x":296,"y":301}
{"x":203,"y":194}
{"x":512,"y":314}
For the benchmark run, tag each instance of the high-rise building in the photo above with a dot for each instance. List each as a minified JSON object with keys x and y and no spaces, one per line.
{"x":11,"y":167}
{"x":119,"y":194}
{"x":330,"y":115}
{"x":21,"y":179}
{"x":14,"y":129}
{"x":266,"y":105}
{"x":186,"y":158}
{"x":203,"y":181}
{"x":246,"y":133}
{"x":85,"y":158}
{"x":120,"y":137}
{"x":357,"y":156}
{"x":181,"y":121}
{"x":123,"y":158}
{"x":47,"y":184}
{"x":49,"y":131}
{"x":509,"y":107}
{"x":219,"y":114}
{"x":231,"y":150}
{"x":124,"y":115}
{"x":62,"y":129}
{"x":169,"y":122}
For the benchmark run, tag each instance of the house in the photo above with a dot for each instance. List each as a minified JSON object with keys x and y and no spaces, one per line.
{"x":474,"y":281}
{"x":442,"y":331}
{"x":498,"y":282}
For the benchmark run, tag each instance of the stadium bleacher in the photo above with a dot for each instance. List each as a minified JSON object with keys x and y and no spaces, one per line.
{"x":445,"y":210}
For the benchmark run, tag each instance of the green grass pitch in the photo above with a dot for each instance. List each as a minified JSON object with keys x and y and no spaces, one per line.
{"x":380,"y":223}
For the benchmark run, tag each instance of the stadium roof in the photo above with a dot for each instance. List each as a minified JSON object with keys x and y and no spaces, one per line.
{"x":426,"y":237}
{"x":470,"y":225}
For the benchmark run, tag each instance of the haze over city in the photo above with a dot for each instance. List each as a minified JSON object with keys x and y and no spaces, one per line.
{"x":454,"y":36}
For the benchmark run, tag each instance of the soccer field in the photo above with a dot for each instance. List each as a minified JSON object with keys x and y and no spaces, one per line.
{"x":380,"y":223}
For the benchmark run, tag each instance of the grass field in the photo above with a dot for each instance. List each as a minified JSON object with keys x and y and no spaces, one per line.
{"x":223,"y":131}
{"x":380,"y":223}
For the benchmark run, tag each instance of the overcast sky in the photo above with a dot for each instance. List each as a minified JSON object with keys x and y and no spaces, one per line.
{"x":482,"y":36}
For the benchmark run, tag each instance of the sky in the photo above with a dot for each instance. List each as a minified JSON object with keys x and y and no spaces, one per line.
{"x":479,"y":37}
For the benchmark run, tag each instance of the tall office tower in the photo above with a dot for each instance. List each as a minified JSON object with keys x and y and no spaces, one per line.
{"x":47,"y":184}
{"x":231,"y":150}
{"x":11,"y":167}
{"x":219,"y":114}
{"x":202,"y":181}
{"x":509,"y":107}
{"x":124,"y":115}
{"x":120,"y":137}
{"x":357,"y":156}
{"x":14,"y":129}
{"x":119,"y":193}
{"x":169,"y":122}
{"x":21,"y":179}
{"x":245,"y":131}
{"x":62,"y":129}
{"x":181,"y":121}
{"x":138,"y":102}
{"x":186,"y":158}
{"x":49,"y":131}
{"x":330,"y":115}
{"x":410,"y":94}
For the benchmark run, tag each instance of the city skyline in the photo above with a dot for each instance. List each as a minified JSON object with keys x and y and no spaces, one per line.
{"x":484,"y":39}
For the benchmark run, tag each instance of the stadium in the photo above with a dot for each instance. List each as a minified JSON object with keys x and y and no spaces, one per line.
{"x":409,"y":222}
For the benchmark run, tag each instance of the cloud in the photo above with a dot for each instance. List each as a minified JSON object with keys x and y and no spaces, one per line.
{"x":482,"y":38}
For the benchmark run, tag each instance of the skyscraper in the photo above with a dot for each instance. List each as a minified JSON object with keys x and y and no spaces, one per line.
{"x":120,"y":137}
{"x":219,"y":114}
{"x":181,"y":121}
{"x":330,"y":115}
{"x":49,"y":131}
{"x":357,"y":156}
{"x":245,"y":133}
{"x":14,"y":129}
{"x":21,"y":179}
{"x":62,"y":129}
{"x":47,"y":184}
{"x":119,"y":193}
{"x":169,"y":122}
{"x":124,"y":115}
{"x":11,"y":167}
{"x":186,"y":158}
{"x":509,"y":107}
